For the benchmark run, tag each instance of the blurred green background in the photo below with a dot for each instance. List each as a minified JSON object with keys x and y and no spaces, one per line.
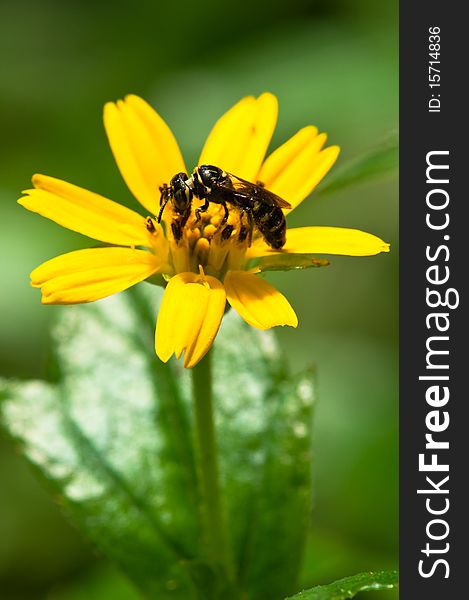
{"x":332,"y":64}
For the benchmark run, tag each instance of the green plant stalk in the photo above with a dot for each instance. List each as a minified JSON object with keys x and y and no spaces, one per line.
{"x":214,"y":523}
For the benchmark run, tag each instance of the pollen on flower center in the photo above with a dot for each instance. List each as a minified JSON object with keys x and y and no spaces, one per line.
{"x":207,"y":240}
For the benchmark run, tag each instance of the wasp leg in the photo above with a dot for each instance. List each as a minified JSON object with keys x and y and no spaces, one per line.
{"x":178,"y":224}
{"x":243,"y":234}
{"x":164,"y":199}
{"x":243,"y":230}
{"x":201,"y":209}
{"x":164,"y":191}
{"x":251,"y":226}
{"x":177,"y":230}
{"x":227,"y":214}
{"x":226,"y":233}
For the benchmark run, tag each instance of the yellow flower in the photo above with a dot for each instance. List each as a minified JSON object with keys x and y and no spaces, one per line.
{"x":203,"y":269}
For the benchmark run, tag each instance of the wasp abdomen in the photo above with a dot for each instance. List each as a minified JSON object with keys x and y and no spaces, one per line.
{"x":270,"y":221}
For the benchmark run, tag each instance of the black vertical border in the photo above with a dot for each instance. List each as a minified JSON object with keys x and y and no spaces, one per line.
{"x":421,"y":132}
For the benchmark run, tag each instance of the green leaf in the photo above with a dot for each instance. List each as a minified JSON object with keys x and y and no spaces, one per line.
{"x":381,"y":160}
{"x":264,"y":423}
{"x":113,"y":438}
{"x":348,"y":587}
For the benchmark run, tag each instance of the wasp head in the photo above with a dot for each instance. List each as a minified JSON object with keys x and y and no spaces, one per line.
{"x":181,"y":194}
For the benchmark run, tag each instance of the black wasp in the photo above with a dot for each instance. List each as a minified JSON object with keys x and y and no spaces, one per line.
{"x":212,"y":184}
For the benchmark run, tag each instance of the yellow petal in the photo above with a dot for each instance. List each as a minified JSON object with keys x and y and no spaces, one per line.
{"x":86,"y":212}
{"x":279,"y":160}
{"x":325,"y":240}
{"x":240,"y":138}
{"x":88,"y":275}
{"x":258,"y":302}
{"x":295,"y":168}
{"x":144,"y":148}
{"x":189,"y":317}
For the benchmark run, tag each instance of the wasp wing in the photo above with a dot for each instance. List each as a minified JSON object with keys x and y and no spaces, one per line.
{"x":248,"y":189}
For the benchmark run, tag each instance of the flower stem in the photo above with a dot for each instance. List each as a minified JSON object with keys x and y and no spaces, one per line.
{"x":207,"y":463}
